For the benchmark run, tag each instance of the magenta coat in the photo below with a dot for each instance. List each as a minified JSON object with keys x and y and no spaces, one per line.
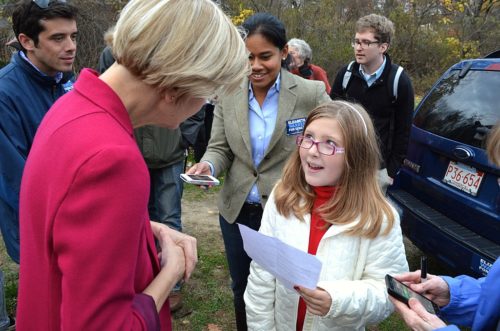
{"x":87,"y":249}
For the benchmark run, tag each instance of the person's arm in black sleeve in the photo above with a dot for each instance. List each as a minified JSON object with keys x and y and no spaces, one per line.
{"x":191,"y":127}
{"x":337,"y":92}
{"x":405,"y":105}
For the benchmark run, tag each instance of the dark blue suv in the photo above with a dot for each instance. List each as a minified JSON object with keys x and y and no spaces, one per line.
{"x":447,"y":192}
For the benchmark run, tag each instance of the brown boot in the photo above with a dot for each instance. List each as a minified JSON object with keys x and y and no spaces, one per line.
{"x":175,"y":300}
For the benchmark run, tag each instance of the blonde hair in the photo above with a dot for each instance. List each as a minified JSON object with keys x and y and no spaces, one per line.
{"x":358,"y":193}
{"x":187,"y":45}
{"x":493,"y":145}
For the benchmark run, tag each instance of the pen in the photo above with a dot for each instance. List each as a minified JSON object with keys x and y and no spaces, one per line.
{"x":423,"y":268}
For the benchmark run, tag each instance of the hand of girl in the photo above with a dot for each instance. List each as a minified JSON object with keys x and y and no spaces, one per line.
{"x":318,"y":301}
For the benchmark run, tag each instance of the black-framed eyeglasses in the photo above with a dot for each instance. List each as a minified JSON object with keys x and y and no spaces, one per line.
{"x":324,"y":147}
{"x":43,"y":4}
{"x":364,"y":43}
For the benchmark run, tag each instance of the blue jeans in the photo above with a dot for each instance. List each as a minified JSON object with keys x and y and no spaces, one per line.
{"x":4,"y":318}
{"x":237,"y":258}
{"x":165,"y":197}
{"x":166,"y":194}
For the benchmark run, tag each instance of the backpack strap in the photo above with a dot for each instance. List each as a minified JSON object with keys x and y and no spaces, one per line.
{"x":394,"y":76}
{"x":347,"y":76}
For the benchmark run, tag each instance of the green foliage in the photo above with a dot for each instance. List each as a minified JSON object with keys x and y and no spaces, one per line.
{"x":242,"y":16}
{"x":10,"y":290}
{"x":430,"y":35}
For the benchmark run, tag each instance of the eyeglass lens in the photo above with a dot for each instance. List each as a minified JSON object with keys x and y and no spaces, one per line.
{"x":322,"y":146}
{"x":363,"y":43}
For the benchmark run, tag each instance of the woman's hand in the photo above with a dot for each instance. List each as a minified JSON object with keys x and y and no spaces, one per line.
{"x":318,"y":301}
{"x":435,"y":288}
{"x":172,"y":256}
{"x":178,"y":257}
{"x":185,"y":243}
{"x":201,"y":168}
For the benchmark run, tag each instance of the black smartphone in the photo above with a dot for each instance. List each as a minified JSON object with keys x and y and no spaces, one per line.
{"x":403,"y":293}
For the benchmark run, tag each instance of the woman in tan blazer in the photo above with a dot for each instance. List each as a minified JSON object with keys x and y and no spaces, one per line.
{"x":253,"y":134}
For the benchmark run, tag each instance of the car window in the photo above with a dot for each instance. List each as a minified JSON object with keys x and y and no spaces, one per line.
{"x":462,"y":109}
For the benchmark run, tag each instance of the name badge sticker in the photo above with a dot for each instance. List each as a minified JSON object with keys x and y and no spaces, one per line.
{"x":295,"y":126}
{"x":68,"y":86}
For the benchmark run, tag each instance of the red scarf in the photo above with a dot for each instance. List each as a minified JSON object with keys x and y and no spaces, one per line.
{"x":317,"y":230}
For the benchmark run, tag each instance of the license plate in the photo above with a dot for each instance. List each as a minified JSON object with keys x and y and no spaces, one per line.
{"x":463,"y":177}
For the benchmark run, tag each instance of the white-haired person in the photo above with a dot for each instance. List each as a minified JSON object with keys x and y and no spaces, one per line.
{"x":300,"y":62}
{"x":88,"y":256}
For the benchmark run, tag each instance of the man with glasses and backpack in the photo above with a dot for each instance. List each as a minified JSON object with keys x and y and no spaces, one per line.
{"x":383,"y":88}
{"x":35,"y":78}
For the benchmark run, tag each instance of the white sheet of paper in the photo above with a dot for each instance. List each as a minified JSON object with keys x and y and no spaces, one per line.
{"x":288,"y":264}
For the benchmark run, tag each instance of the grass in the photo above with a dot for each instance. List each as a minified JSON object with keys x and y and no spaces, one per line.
{"x":11,"y":274}
{"x":207,"y":297}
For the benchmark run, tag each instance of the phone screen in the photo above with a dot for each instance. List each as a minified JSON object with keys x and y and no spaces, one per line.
{"x":406,"y":293}
{"x":201,"y":177}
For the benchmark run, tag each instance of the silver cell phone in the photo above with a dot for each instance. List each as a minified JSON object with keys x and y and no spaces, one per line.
{"x":205,"y":180}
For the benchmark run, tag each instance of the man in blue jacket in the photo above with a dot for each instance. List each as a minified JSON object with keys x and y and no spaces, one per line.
{"x":463,"y":300}
{"x":35,"y":78}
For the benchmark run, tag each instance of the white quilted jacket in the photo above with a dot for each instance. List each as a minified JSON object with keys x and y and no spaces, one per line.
{"x":353,"y":274}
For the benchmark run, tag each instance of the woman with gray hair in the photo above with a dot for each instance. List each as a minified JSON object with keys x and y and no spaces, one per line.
{"x":88,"y":256}
{"x":300,"y":64}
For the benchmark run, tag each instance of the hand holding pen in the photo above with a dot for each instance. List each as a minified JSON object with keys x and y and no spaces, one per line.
{"x":423,"y":268}
{"x":432,"y":287}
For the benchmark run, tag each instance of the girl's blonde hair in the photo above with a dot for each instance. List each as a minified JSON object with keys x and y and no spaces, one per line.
{"x":358,"y":193}
{"x":187,"y":45}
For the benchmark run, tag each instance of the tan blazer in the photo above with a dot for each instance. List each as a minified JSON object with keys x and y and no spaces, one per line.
{"x":230,"y":148}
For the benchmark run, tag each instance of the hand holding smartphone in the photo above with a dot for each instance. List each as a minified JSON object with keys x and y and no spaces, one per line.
{"x":403,"y":293}
{"x":204,"y":180}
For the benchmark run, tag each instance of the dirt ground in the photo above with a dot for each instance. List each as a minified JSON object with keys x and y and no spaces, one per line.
{"x":200,"y":214}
